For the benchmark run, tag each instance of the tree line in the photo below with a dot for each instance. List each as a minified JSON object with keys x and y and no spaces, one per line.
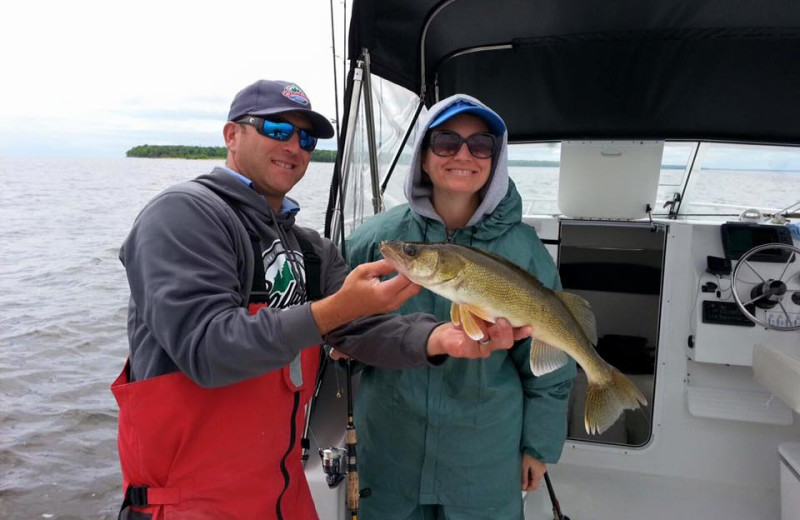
{"x":204,"y":152}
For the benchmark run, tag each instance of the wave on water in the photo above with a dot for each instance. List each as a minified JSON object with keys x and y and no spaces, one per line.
{"x":63,"y":311}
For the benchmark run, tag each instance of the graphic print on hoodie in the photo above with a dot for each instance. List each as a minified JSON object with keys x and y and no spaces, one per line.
{"x":280,"y":279}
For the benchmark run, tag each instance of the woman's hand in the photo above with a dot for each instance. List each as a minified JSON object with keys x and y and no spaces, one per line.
{"x":450,"y":339}
{"x":532,"y":472}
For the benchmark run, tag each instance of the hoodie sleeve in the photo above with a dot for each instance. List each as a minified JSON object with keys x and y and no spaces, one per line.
{"x":383,"y":340}
{"x":183,"y":265}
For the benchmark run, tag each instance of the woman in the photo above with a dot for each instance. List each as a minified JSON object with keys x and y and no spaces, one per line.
{"x":459,"y":440}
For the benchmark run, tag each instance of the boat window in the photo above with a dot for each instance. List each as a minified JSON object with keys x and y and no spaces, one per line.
{"x":714,"y":179}
{"x":534,"y":167}
{"x":728,"y":179}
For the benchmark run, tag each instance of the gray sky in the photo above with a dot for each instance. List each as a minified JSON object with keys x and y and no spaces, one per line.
{"x":93,"y":78}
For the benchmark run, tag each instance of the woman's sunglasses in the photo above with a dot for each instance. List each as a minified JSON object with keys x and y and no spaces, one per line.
{"x":280,"y":131}
{"x":446,"y":143}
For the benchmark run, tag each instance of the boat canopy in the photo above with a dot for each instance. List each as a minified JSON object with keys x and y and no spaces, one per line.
{"x":598,"y":69}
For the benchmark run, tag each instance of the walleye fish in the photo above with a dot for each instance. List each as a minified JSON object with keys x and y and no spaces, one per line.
{"x":487,"y":286}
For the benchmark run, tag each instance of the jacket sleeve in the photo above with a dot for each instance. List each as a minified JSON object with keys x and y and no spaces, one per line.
{"x":183,"y":267}
{"x":383,"y":340}
{"x":545,"y":398}
{"x":545,"y":403}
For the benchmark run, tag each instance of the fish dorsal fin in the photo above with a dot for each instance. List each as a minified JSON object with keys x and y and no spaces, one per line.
{"x":468,"y":323}
{"x":582,"y":312}
{"x":546,"y":358}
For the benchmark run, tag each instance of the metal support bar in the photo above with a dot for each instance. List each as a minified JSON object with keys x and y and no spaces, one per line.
{"x":422,"y":38}
{"x":402,"y":146}
{"x":676,"y":207}
{"x":369,"y":115}
{"x":336,"y":224}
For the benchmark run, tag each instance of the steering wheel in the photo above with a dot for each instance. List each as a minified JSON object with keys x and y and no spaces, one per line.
{"x":767,"y":293}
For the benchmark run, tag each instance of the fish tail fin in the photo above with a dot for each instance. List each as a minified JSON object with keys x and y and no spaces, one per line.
{"x":605,"y":402}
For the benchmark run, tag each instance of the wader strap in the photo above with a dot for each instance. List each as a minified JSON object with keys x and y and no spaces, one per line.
{"x":258,"y":290}
{"x":311,"y":259}
{"x":313,"y":268}
{"x":144,"y":496}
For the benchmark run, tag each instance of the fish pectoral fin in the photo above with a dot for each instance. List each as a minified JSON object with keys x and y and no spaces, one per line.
{"x":455,"y":313}
{"x":582,"y":312}
{"x":480,"y":312}
{"x":468,"y":323}
{"x":546,"y":358}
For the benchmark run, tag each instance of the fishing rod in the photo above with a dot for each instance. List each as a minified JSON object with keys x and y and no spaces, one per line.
{"x":332,"y":458}
{"x":553,"y":500}
{"x":335,"y":78}
{"x":353,"y":491}
{"x":305,"y":442}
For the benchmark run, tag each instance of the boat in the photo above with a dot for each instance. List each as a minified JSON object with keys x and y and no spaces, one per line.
{"x":657,"y":148}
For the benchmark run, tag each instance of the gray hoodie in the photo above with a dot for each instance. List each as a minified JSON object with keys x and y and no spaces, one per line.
{"x":188,"y":260}
{"x":419,"y":190}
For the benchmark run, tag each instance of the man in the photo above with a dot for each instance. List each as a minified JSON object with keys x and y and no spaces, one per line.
{"x":229,"y":304}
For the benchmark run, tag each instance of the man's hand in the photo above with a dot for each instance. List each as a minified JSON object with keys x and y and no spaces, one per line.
{"x":450,"y":339}
{"x":363,"y":294}
{"x":532,"y":472}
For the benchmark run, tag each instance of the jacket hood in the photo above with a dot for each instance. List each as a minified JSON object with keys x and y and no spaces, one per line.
{"x":419,"y":190}
{"x":247,"y":199}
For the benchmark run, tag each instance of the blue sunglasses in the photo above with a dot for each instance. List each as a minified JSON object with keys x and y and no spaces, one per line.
{"x":280,"y":131}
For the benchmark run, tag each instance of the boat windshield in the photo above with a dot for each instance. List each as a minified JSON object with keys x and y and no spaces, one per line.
{"x":714,"y":180}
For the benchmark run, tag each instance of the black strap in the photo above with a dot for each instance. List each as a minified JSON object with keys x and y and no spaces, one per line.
{"x":313,"y":267}
{"x":258,"y":290}
{"x":137,"y":497}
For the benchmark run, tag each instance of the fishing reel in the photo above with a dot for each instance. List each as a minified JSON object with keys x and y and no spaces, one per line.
{"x":333,"y":465}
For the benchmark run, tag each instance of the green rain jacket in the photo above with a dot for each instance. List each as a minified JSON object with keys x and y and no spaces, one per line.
{"x":453,"y":434}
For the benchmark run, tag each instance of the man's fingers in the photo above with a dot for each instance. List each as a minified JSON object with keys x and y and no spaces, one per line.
{"x":377,"y":268}
{"x":523,"y":332}
{"x":396,"y":284}
{"x":408,"y":291}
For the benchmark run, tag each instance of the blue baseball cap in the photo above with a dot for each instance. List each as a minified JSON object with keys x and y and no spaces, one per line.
{"x":269,"y":98}
{"x":493,"y":121}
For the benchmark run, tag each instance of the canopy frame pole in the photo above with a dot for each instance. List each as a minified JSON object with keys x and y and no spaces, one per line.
{"x":462,"y":52}
{"x":399,"y":151}
{"x":337,"y":224}
{"x":423,"y":36}
{"x":369,"y":115}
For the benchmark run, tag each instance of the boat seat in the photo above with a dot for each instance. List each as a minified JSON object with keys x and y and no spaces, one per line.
{"x":777,"y":368}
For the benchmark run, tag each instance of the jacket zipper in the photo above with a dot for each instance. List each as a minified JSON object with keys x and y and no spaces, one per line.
{"x":284,"y":469}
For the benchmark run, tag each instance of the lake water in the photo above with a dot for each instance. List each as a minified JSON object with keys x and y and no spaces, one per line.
{"x":63,"y":306}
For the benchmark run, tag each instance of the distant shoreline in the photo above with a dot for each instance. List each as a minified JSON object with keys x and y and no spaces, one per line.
{"x":148,"y":151}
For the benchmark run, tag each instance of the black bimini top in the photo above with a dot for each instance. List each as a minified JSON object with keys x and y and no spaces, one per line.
{"x":725,"y":70}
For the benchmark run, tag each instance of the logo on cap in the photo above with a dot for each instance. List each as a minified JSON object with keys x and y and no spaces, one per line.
{"x":295,"y":93}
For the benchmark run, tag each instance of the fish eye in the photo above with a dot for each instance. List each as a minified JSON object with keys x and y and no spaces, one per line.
{"x":410,"y":250}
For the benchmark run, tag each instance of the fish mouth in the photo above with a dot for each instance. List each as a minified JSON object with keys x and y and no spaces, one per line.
{"x":390,"y":249}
